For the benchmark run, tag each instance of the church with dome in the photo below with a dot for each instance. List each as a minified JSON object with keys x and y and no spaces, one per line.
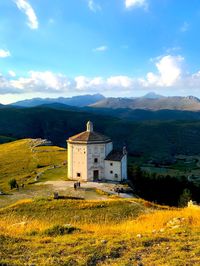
{"x":91,"y":158}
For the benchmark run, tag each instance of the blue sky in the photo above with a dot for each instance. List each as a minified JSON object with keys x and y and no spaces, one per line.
{"x":115,"y":47}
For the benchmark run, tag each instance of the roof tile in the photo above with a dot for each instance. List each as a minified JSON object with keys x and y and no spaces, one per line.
{"x":115,"y":156}
{"x":89,"y":136}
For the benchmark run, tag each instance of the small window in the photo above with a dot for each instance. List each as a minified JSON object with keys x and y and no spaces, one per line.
{"x":111,"y":172}
{"x":96,"y":160}
{"x":78,"y":174}
{"x":116,"y":175}
{"x":111,"y":164}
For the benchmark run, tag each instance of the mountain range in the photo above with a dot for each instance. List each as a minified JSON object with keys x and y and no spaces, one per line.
{"x":189,"y":103}
{"x":79,"y":101}
{"x":150,"y":101}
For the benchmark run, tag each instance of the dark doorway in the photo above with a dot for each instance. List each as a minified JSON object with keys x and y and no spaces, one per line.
{"x":96,"y":175}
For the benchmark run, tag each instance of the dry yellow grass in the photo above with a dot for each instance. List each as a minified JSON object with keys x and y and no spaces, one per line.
{"x":158,"y":236}
{"x":157,"y":221}
{"x":154,"y":220}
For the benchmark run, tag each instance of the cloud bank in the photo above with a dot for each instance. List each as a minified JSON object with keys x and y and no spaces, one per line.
{"x":169,"y":75}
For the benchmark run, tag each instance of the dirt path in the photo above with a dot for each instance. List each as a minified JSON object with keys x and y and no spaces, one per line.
{"x":64,"y":188}
{"x":86,"y":186}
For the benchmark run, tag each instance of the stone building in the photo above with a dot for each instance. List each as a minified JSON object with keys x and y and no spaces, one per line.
{"x":91,"y":158}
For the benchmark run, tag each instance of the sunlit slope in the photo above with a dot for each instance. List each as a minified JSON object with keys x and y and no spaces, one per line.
{"x":23,"y":160}
{"x":114,"y":232}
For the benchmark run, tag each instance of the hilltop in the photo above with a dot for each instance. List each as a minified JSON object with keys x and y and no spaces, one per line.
{"x":40,"y":170}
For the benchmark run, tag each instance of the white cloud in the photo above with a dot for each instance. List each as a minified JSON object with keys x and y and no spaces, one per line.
{"x":5,"y":86}
{"x":4,"y":53}
{"x":97,"y":81}
{"x":25,"y":7}
{"x":102,"y":48}
{"x":93,"y":6}
{"x":120,"y":81}
{"x":42,"y":81}
{"x":83,"y":83}
{"x":12,"y":73}
{"x":136,"y":3}
{"x":169,"y":71}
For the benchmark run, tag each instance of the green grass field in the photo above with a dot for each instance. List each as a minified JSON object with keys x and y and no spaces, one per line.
{"x":23,"y":161}
{"x":59,"y":173}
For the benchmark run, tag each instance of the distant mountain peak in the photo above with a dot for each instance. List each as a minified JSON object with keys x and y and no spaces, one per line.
{"x":152,"y":95}
{"x":190,"y":97}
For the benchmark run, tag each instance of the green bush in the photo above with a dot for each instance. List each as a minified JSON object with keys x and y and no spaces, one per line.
{"x":13,"y":183}
{"x":58,"y":230}
{"x":185,"y":197}
{"x":40,"y":165}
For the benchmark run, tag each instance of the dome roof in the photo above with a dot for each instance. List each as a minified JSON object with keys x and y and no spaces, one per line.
{"x":89,"y":136}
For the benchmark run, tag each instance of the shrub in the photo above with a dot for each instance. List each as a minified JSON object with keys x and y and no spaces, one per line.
{"x":58,"y":230}
{"x":32,"y":233}
{"x":40,"y":165}
{"x":13,"y":183}
{"x":185,"y":197}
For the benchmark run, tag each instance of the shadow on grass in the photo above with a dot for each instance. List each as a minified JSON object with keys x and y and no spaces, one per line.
{"x":69,"y":197}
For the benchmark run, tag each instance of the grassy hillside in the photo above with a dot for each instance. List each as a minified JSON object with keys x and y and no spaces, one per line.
{"x":114,"y":232}
{"x":23,"y":160}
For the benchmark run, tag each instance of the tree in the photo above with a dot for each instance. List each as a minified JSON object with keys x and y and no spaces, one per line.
{"x":13,"y":183}
{"x":184,"y":198}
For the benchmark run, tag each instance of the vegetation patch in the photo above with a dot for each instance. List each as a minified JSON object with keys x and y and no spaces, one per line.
{"x":59,"y":230}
